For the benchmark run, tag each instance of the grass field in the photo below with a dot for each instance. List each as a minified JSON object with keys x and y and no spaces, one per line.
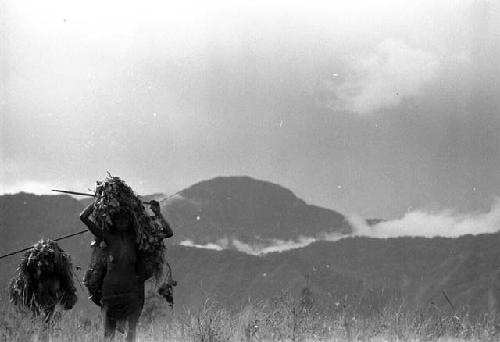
{"x":280,"y":319}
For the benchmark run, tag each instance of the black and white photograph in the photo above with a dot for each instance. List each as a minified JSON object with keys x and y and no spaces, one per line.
{"x":250,"y":171}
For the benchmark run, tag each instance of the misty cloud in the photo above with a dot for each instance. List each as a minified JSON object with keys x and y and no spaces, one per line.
{"x":264,"y":247}
{"x":213,"y":246}
{"x":395,"y":71}
{"x":273,"y":246}
{"x":420,"y":223}
{"x":34,"y":187}
{"x":41,"y":187}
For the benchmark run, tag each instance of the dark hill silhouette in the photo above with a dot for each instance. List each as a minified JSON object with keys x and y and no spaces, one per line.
{"x":247,"y":209}
{"x":25,"y":218}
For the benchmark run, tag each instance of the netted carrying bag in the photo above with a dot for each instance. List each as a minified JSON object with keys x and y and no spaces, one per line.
{"x":96,"y":272}
{"x":44,"y":278}
{"x":113,"y":196}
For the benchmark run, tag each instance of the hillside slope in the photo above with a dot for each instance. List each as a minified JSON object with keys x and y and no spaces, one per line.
{"x":247,"y":209}
{"x":369,"y":272}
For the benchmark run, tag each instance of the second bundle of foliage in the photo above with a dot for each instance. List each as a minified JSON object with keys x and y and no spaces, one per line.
{"x":44,"y":261}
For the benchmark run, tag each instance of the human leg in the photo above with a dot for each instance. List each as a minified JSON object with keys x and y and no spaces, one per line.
{"x":132,"y":327}
{"x":109,"y":327}
{"x":133,"y":317}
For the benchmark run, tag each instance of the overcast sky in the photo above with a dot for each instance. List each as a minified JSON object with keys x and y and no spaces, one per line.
{"x":367,"y":107}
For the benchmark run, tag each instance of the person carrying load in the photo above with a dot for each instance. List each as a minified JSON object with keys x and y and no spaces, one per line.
{"x":97,"y":269}
{"x":127,"y":251}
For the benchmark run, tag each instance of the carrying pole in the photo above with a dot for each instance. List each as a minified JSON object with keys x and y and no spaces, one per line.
{"x":77,"y":233}
{"x":57,"y":239}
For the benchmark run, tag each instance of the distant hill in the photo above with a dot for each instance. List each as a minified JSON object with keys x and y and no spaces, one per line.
{"x":247,"y":209}
{"x":25,"y":218}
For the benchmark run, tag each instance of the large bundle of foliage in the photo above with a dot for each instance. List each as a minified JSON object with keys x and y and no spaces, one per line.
{"x":43,"y":264}
{"x":114,"y":195}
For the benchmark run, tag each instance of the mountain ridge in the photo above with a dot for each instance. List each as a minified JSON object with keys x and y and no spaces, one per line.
{"x":250,"y":209}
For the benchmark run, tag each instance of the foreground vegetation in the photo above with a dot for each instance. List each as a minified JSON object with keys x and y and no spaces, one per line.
{"x":280,"y":319}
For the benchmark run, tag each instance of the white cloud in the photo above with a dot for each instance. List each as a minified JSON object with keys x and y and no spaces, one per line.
{"x":272,"y":246}
{"x":394,"y":71}
{"x":444,"y":224}
{"x":415,"y":224}
{"x":213,"y":246}
{"x":39,"y":188}
{"x":266,"y":246}
{"x":333,"y":236}
{"x":33,"y":187}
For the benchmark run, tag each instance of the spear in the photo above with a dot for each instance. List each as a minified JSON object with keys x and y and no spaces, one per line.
{"x":84,"y":194}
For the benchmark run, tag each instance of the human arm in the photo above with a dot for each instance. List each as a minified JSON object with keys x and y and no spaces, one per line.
{"x":85,"y":218}
{"x":167,"y":230}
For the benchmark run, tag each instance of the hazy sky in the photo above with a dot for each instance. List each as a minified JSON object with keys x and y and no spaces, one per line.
{"x":367,"y":107}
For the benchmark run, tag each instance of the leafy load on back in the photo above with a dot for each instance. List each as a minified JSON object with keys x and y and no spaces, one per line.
{"x":114,"y":195}
{"x":45,"y":261}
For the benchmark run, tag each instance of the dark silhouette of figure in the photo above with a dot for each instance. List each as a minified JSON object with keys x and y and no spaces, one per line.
{"x":44,"y":281}
{"x":121,"y":269}
{"x":49,"y":294}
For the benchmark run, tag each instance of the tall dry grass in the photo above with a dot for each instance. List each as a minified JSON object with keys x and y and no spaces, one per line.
{"x":283,"y":318}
